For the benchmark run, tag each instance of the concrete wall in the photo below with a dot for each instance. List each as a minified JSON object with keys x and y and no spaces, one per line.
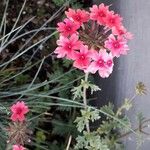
{"x":131,"y":68}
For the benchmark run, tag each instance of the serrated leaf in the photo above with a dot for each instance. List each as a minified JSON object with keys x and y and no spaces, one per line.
{"x":77,"y":92}
{"x":108,"y":109}
{"x":91,"y":141}
{"x":87,"y":116}
{"x":94,"y":88}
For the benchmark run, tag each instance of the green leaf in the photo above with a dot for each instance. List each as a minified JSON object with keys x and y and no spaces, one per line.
{"x":108,"y":109}
{"x":77,"y":92}
{"x":90,"y":141}
{"x":86,"y":116}
{"x":94,"y":88}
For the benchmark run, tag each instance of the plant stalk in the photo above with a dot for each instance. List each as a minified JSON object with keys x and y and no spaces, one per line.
{"x":69,"y":142}
{"x":140,"y":129}
{"x":85,"y":99}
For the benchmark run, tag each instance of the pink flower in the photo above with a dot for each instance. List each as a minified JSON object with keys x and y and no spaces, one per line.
{"x":18,"y":111}
{"x":18,"y":147}
{"x":78,"y":16}
{"x":129,"y":36}
{"x":67,"y":27}
{"x":102,"y":62}
{"x":117,"y":46}
{"x":121,"y":31}
{"x":67,"y":46}
{"x":82,"y":58}
{"x":113,"y":20}
{"x":99,"y":13}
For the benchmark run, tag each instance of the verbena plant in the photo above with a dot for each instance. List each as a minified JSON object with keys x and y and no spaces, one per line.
{"x":44,"y":97}
{"x":92,"y":40}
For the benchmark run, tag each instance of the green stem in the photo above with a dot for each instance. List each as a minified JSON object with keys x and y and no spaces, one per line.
{"x":140,"y":129}
{"x":69,"y":142}
{"x":85,"y":99}
{"x":7,"y":147}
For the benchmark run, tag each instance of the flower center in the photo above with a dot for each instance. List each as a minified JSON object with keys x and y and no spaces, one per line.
{"x":101,"y":14}
{"x":18,"y":111}
{"x":112,"y":21}
{"x":78,"y":18}
{"x":109,"y":63}
{"x":82,"y":57}
{"x":68,"y":28}
{"x":116,"y":45}
{"x":100,"y":63}
{"x":69,"y":47}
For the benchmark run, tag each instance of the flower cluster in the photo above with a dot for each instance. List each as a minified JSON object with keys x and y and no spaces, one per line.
{"x":18,"y":129}
{"x":92,"y":39}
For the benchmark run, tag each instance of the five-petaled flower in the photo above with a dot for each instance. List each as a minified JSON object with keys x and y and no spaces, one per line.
{"x":113,"y":20}
{"x":82,"y":58}
{"x":67,"y":46}
{"x":117,"y":46}
{"x":18,"y":147}
{"x":18,"y":111}
{"x":122,"y":31}
{"x":102,"y":62}
{"x":78,"y":16}
{"x":67,"y":27}
{"x":99,"y":13}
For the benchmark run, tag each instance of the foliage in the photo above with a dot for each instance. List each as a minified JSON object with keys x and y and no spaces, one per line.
{"x":40,"y":137}
{"x":90,"y":141}
{"x":87,"y":115}
{"x":78,"y":91}
{"x":30,"y":72}
{"x":109,"y":129}
{"x":73,"y":3}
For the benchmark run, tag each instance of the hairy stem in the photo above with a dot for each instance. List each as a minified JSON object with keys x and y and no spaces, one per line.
{"x":85,"y":99}
{"x":140,"y":129}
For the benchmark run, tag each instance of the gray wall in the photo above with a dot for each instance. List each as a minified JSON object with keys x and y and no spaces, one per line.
{"x":131,"y":68}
